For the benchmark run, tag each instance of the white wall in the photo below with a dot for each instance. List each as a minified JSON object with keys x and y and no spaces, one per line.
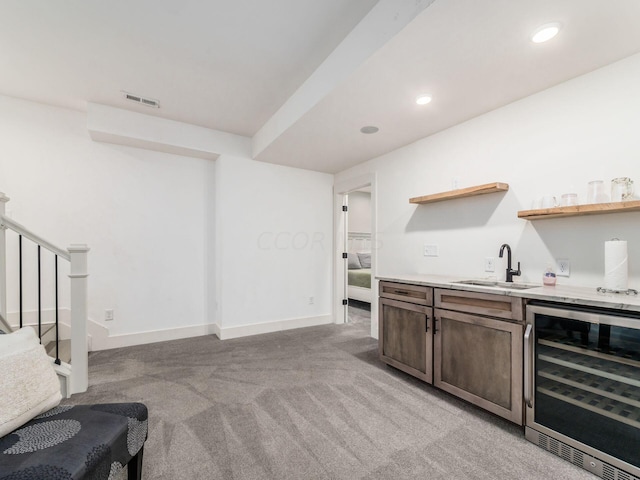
{"x":274,"y":252}
{"x":581,"y":130}
{"x":142,"y":213}
{"x":360,"y":212}
{"x":179,"y":242}
{"x":179,"y":246}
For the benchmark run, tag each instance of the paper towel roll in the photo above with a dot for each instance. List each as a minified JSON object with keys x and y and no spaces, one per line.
{"x":615,"y":265}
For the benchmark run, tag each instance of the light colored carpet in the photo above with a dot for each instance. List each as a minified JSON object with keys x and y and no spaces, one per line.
{"x":313,"y":403}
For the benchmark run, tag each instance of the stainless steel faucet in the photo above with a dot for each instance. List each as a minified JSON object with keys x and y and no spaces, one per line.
{"x":510,"y":271}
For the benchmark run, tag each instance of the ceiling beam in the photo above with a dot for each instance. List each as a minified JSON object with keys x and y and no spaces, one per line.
{"x":383,"y":22}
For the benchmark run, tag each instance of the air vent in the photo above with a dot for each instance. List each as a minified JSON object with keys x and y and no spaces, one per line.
{"x":554,"y":446}
{"x":608,"y":472}
{"x":149,"y":102}
{"x":578,"y":457}
{"x":612,"y":473}
{"x":565,"y":452}
{"x":543,"y":441}
{"x":591,"y":464}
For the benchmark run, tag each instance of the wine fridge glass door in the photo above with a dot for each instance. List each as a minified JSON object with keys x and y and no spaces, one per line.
{"x":586,"y":379}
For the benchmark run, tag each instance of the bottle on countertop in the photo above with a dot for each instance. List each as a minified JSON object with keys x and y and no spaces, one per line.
{"x":549,"y":276}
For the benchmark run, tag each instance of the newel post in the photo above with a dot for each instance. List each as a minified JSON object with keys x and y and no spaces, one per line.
{"x":79,"y":317}
{"x":3,"y":264}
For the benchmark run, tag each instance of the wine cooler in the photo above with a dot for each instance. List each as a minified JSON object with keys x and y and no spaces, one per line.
{"x":582,"y":386}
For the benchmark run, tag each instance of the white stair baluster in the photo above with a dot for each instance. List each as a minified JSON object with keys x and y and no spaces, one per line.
{"x":4,"y":323}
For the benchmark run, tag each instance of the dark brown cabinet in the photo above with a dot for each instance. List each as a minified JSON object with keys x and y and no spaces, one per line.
{"x":479,"y":359}
{"x":405,"y":328}
{"x":469,"y":344}
{"x":478,"y":344}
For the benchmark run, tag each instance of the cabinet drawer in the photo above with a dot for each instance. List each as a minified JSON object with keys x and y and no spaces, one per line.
{"x":493,"y":305}
{"x":418,"y":294}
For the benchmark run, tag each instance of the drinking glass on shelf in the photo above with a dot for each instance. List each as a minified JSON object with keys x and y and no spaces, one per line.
{"x":548,"y":201}
{"x":621,"y":189}
{"x":568,"y":199}
{"x":596,"y":192}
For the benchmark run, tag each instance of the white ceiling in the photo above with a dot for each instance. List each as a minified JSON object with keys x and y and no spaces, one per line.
{"x":223,"y":64}
{"x":231,"y":65}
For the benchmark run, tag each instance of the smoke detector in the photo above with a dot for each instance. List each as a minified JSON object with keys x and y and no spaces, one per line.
{"x":149,"y":102}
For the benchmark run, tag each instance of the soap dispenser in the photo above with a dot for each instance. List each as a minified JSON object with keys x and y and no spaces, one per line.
{"x":549,"y":276}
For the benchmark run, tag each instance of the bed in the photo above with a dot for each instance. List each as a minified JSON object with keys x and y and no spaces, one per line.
{"x":359,"y":267}
{"x":360,"y":284}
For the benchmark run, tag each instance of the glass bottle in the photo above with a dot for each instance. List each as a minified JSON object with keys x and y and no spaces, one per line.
{"x":549,"y":276}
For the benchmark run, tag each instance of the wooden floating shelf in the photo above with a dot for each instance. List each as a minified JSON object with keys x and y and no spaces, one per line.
{"x":461,"y":193}
{"x":577,"y":210}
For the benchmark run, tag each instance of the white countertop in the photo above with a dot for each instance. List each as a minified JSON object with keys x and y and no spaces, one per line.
{"x":588,"y":296}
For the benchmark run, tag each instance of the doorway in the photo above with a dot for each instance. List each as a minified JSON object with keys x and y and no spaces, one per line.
{"x":355,"y":297}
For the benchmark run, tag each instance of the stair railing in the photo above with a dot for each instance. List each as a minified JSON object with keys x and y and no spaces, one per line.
{"x":76,"y":255}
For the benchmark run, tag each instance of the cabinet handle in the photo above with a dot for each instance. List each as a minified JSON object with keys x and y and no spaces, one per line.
{"x":427,"y":324}
{"x":528,"y":365}
{"x":401,"y":292}
{"x":435,"y":325}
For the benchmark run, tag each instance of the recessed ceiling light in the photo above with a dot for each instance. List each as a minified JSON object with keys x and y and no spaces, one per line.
{"x":423,"y":99}
{"x":545,"y":32}
{"x":368,"y":129}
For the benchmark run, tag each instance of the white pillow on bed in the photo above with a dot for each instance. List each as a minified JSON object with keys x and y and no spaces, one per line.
{"x":353,"y":261}
{"x":29,"y":385}
{"x":365,"y":259}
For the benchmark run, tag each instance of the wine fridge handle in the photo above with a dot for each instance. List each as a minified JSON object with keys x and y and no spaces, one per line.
{"x":528,"y":366}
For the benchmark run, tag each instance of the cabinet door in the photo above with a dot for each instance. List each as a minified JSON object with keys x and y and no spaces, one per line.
{"x":405,"y":339}
{"x":479,"y":359}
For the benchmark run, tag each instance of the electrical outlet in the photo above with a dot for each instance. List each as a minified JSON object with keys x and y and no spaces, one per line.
{"x":430,"y":250}
{"x":108,"y":315}
{"x":311,"y":300}
{"x":489,"y":264}
{"x":563,"y":267}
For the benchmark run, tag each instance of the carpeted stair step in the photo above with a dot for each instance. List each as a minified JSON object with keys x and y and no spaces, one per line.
{"x":64,"y":350}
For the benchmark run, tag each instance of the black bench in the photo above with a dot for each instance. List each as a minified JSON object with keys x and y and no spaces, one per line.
{"x":77,"y":442}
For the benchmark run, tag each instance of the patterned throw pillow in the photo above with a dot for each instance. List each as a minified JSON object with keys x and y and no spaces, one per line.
{"x":28,"y":384}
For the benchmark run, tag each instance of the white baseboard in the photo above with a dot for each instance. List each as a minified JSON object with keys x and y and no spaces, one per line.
{"x":99,"y":338}
{"x":97,"y":335}
{"x":215,"y":329}
{"x":153,"y":336}
{"x":141,"y":338}
{"x":269,"y":327}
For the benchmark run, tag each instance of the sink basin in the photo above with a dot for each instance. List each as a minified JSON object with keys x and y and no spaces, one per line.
{"x":490,"y":283}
